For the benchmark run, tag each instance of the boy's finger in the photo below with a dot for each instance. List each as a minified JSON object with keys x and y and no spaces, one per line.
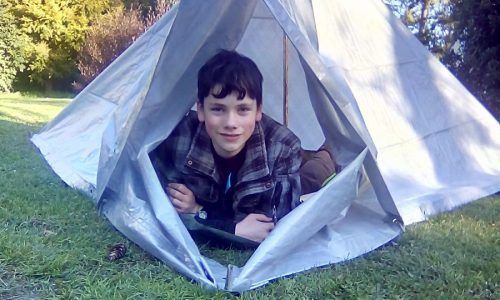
{"x":179,"y":196}
{"x":183,"y":189}
{"x":178,"y":187}
{"x":178,"y":204}
{"x":171,"y":192}
{"x":175,"y":203}
{"x":174,"y":185}
{"x":262,"y":218}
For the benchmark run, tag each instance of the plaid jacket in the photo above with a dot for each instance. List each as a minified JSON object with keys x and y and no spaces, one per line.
{"x":268,"y":182}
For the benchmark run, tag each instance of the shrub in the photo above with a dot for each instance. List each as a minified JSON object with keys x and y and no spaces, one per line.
{"x":106,"y":39}
{"x":110,"y":35}
{"x":12,"y":43}
{"x":54,"y":31}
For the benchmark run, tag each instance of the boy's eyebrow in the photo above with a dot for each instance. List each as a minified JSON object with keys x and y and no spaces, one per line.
{"x":216,"y":104}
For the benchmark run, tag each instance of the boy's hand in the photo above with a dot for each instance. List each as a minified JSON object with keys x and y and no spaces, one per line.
{"x":255,"y":227}
{"x":182,"y":198}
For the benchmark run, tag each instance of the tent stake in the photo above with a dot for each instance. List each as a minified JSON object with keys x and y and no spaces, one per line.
{"x":285,"y":80}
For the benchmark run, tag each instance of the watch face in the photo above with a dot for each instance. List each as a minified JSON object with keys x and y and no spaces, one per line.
{"x":202,"y":214}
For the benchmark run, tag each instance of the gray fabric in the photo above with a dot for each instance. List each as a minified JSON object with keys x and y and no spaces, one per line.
{"x":413,"y":142}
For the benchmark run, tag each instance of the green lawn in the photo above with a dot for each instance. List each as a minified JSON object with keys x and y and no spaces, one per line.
{"x":53,"y":243}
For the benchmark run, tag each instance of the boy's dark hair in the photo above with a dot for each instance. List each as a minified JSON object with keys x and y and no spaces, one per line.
{"x":234,"y":73}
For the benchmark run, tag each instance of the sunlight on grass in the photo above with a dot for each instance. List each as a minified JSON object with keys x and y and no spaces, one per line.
{"x":19,"y":109}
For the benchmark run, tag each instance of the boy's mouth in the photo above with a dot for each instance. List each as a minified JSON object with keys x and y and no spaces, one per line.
{"x":230,"y":136}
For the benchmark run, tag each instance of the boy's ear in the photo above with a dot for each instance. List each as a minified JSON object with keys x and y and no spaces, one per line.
{"x":258,"y":116}
{"x":200,"y":112}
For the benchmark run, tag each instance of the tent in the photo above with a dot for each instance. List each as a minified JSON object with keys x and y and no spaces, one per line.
{"x":412,"y":140}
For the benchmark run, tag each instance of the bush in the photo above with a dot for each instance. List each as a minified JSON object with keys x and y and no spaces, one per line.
{"x":54,"y":31}
{"x":110,"y":35}
{"x":12,"y":43}
{"x":477,"y":27}
{"x":106,"y":39}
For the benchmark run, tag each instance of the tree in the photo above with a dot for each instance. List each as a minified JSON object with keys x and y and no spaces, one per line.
{"x":476,"y":58}
{"x":429,"y":20}
{"x":464,"y":35}
{"x":110,"y":35}
{"x":56,"y":30}
{"x":12,"y":43}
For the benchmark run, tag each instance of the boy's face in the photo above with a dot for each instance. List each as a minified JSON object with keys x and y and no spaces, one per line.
{"x":229,"y":122}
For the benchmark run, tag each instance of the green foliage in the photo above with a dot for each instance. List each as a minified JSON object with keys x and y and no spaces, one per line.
{"x":476,"y":60}
{"x":12,"y":43}
{"x":40,"y":39}
{"x":429,"y":20}
{"x":147,"y":6}
{"x":109,"y":36}
{"x":56,"y":31}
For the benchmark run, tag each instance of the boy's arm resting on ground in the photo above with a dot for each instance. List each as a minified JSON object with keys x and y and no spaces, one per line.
{"x":255,"y":227}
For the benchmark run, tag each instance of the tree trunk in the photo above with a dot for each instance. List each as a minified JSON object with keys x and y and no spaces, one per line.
{"x":422,"y":22}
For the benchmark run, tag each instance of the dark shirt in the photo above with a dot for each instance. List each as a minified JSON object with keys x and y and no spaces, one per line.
{"x":221,"y":213}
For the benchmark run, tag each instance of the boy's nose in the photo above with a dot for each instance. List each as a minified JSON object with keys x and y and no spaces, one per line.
{"x":231,"y":120}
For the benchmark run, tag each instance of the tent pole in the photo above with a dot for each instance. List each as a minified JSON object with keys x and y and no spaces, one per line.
{"x":285,"y":79}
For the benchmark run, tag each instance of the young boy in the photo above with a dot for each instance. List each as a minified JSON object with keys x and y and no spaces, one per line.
{"x":228,"y":162}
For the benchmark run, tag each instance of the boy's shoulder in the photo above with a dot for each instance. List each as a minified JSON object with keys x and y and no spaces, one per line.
{"x":188,"y":125}
{"x":275,"y":132}
{"x":181,"y":137}
{"x":190,"y":120}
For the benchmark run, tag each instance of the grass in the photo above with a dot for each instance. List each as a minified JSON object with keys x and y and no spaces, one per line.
{"x":53,"y":243}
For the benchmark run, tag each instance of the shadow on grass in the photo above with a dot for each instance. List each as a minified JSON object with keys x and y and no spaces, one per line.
{"x":47,"y":94}
{"x":29,"y":111}
{"x":21,"y":120}
{"x":34,"y":101}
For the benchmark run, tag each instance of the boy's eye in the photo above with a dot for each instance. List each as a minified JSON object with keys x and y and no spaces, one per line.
{"x":216,"y":109}
{"x":244,"y":109}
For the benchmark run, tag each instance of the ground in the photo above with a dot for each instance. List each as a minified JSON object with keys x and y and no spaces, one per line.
{"x":53,"y":243}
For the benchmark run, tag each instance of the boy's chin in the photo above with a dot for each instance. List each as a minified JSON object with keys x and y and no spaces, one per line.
{"x":228,"y":152}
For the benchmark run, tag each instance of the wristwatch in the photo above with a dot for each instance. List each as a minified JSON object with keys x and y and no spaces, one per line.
{"x":202,"y":214}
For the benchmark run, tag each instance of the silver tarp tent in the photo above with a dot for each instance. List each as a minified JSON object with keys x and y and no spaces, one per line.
{"x":413,"y":141}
